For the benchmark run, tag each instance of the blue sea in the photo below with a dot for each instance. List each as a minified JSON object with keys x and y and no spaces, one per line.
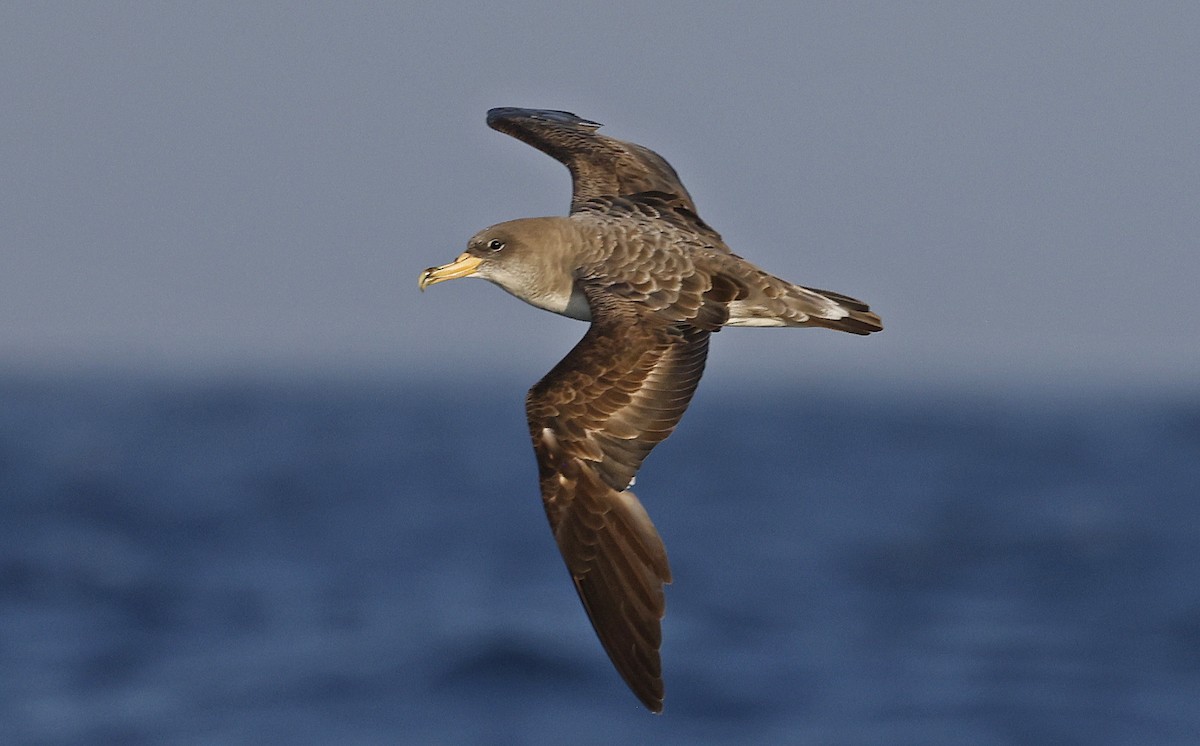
{"x":319,"y":561}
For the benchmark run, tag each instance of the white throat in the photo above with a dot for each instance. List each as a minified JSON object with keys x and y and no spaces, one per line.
{"x":572,"y":305}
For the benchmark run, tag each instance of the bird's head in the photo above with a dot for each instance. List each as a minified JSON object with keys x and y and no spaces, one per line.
{"x":507,"y":254}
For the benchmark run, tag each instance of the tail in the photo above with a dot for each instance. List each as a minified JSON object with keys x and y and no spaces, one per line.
{"x":856,"y":316}
{"x":775,"y":302}
{"x":762,"y":299}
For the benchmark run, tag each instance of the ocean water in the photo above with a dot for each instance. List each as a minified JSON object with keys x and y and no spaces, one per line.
{"x":315,"y":562}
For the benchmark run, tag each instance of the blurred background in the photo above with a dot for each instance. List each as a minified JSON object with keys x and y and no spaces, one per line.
{"x":257,"y":488}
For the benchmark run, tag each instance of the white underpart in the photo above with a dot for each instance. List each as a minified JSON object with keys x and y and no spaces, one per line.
{"x":742,"y":313}
{"x":577,"y":306}
{"x":573,"y":304}
{"x":829,"y":309}
{"x":754,"y":321}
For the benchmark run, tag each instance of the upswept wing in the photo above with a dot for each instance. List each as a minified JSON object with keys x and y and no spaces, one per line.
{"x":603,"y":168}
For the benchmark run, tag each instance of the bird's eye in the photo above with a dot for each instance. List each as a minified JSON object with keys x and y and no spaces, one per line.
{"x":495,"y":244}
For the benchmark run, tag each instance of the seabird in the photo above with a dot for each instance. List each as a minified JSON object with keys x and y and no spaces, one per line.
{"x":633,"y":258}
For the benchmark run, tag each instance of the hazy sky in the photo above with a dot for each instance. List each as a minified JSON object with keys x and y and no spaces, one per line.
{"x":1014,"y":186}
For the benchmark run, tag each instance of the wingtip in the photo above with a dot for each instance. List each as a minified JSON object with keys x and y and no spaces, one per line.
{"x":502,"y":114}
{"x":655,"y":706}
{"x":649,"y":693}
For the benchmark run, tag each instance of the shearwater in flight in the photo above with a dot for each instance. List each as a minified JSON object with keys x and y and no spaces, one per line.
{"x":633,"y":258}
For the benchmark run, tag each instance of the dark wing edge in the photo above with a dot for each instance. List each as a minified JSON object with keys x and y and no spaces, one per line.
{"x":593,"y":419}
{"x":601,"y":166}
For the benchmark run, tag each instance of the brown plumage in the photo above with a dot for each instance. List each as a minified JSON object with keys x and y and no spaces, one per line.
{"x":635,"y":259}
